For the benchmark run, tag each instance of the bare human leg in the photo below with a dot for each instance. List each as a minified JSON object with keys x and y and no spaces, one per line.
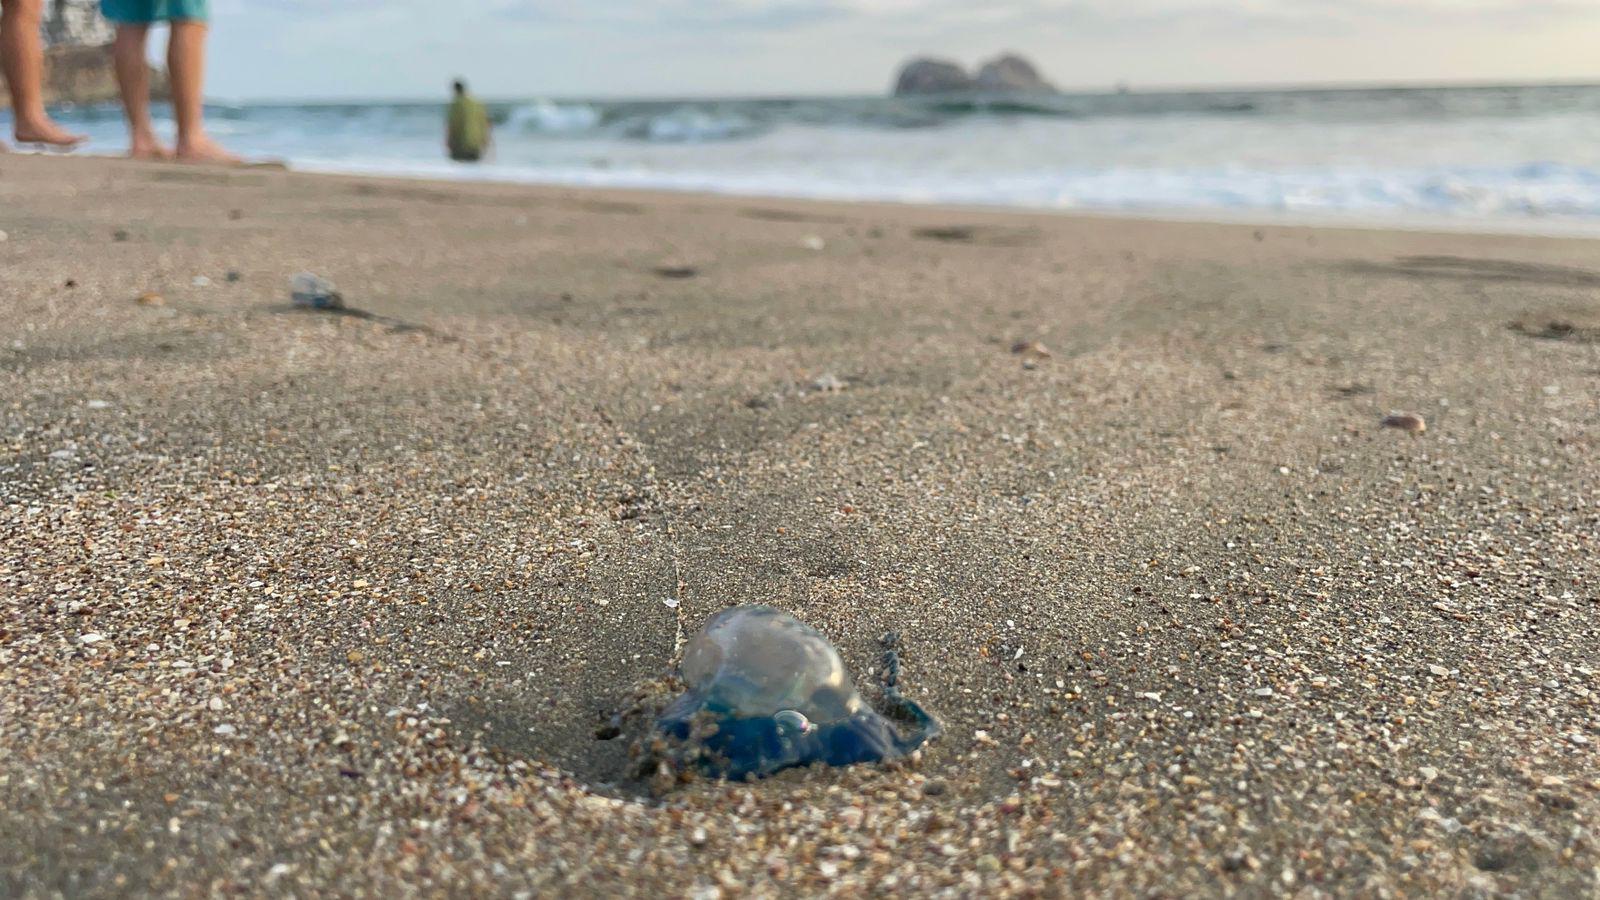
{"x":186,"y":62}
{"x":23,"y":60}
{"x":133,"y":79}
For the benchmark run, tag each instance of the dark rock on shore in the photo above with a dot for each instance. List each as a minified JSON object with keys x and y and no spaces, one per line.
{"x":76,"y":23}
{"x":77,"y":57}
{"x":85,"y":75}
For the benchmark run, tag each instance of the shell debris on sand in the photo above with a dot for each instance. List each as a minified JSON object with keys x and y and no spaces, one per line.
{"x":677,"y":271}
{"x":829,"y":383}
{"x":1407,"y":422}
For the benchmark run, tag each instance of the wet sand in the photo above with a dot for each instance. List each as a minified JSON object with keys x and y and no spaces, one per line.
{"x":300,"y":603}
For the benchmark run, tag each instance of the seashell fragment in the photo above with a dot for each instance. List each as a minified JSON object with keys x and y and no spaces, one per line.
{"x":1408,"y":422}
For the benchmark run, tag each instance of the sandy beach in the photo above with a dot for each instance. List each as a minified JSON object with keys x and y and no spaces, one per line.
{"x":300,"y":603}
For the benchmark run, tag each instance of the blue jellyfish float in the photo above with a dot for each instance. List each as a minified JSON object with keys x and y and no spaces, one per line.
{"x":767,"y":692}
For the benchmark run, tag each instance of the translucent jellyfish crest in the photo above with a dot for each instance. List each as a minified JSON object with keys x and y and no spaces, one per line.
{"x":767,"y":692}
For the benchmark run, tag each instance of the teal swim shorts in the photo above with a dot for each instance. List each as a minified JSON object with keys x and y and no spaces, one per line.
{"x":143,"y":12}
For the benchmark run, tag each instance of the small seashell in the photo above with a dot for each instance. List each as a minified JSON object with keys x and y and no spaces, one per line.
{"x":1408,"y":422}
{"x":828,"y":383}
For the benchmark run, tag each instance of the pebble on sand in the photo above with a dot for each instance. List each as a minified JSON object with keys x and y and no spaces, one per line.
{"x":1407,"y":422}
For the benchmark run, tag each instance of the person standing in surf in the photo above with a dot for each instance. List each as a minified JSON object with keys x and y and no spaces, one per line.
{"x":186,"y":65}
{"x":467,"y":129}
{"x":22,"y":56}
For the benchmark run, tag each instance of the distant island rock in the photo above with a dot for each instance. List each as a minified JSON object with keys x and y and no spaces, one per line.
{"x":77,"y":56}
{"x":1012,"y":73}
{"x":932,"y":76}
{"x":1007,"y":74}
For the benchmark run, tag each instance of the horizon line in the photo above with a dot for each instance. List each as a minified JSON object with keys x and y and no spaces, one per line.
{"x":1113,"y":89}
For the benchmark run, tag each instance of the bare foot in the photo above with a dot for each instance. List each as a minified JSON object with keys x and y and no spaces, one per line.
{"x":45,"y":131}
{"x":203,"y":150}
{"x":145,"y":146}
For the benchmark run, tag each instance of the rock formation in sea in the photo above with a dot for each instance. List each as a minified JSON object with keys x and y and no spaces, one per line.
{"x":932,"y":76}
{"x":1006,"y":74}
{"x":78,"y":65}
{"x":1011,"y":73}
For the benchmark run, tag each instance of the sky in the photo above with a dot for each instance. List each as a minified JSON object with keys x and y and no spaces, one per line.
{"x":371,"y":49}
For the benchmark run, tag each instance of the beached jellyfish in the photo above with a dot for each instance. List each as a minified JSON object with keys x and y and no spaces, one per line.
{"x":767,"y":692}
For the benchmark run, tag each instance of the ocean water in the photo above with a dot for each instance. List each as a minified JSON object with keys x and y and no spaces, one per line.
{"x":1509,"y":155}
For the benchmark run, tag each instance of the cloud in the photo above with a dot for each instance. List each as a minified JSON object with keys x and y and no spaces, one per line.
{"x":766,"y":14}
{"x":933,"y":15}
{"x":630,"y":47}
{"x":675,"y":14}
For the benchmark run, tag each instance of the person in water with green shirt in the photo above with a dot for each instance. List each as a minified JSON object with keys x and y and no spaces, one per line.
{"x":468,"y":136}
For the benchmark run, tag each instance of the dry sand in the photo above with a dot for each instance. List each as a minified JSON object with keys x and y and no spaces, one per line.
{"x":306,"y":604}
